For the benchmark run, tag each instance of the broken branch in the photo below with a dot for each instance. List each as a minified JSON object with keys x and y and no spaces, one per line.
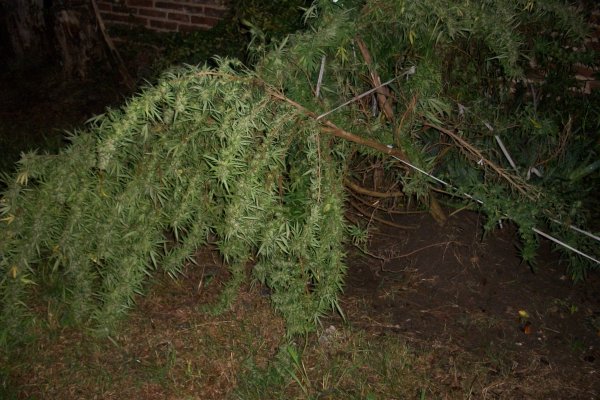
{"x":359,"y":189}
{"x":383,"y":93}
{"x":334,"y":130}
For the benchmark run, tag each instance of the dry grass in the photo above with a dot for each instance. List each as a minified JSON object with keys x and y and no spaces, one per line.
{"x":170,"y":349}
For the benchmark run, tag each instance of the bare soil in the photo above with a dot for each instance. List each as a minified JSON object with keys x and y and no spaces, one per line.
{"x":453,"y":288}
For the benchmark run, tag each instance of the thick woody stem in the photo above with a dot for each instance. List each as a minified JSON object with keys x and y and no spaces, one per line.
{"x":372,"y":193}
{"x":332,"y":129}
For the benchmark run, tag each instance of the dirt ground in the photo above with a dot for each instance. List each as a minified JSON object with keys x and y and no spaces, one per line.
{"x":483,"y":323}
{"x":453,"y":288}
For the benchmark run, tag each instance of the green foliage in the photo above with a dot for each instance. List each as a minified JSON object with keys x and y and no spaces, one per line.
{"x":270,"y":20}
{"x":465,"y":66}
{"x":204,"y":154}
{"x":210,"y":155}
{"x":342,"y":365}
{"x":273,"y":19}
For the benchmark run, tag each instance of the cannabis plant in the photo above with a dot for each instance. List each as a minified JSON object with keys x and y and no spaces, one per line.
{"x":204,"y":156}
{"x":254,"y":162}
{"x":479,"y":95}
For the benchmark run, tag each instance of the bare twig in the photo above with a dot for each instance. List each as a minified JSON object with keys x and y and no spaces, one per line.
{"x":407,"y":113}
{"x":359,"y":189}
{"x":383,"y":221}
{"x":377,"y":207}
{"x":383,"y":93}
{"x":562,"y":144}
{"x":423,"y":248}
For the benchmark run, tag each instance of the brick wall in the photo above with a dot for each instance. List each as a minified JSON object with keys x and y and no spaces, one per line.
{"x":164,"y":15}
{"x":588,"y":76}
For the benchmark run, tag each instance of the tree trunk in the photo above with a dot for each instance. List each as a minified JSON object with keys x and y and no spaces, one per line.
{"x":26,"y":40}
{"x":78,"y":41}
{"x":36,"y":31}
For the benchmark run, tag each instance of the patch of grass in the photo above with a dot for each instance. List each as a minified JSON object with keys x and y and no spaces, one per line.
{"x":168,"y":348}
{"x":350,"y":365}
{"x":240,"y":356}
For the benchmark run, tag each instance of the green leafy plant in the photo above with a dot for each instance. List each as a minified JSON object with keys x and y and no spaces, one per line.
{"x":254,"y":162}
{"x":460,"y":89}
{"x":205,"y":154}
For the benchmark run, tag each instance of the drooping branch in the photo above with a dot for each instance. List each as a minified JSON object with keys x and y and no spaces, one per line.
{"x":332,"y":129}
{"x":434,"y":208}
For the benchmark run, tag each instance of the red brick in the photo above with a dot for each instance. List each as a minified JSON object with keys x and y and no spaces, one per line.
{"x":219,"y":3}
{"x":204,"y":21}
{"x":117,"y":23}
{"x":179,"y":17}
{"x":140,"y":3}
{"x":215,"y":12}
{"x":141,"y":21}
{"x":118,"y":17}
{"x":152,"y":13}
{"x":193,"y":9}
{"x":168,"y":5}
{"x":123,"y":18}
{"x":166,"y":25}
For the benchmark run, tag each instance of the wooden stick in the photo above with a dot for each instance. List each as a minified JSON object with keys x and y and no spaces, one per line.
{"x":359,"y":189}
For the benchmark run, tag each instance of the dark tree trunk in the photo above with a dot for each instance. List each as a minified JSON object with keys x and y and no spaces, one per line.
{"x":78,"y":40}
{"x":64,"y":31}
{"x":25,"y":37}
